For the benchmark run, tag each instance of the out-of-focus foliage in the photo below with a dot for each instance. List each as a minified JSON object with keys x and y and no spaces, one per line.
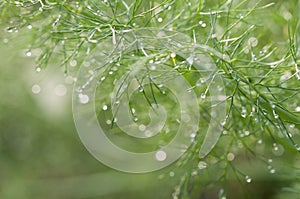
{"x":41,"y":155}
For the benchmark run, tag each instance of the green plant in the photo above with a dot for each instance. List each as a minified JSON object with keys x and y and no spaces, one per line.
{"x":254,"y":45}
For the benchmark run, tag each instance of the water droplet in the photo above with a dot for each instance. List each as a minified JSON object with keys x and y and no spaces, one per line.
{"x":159,"y":19}
{"x":272,"y":171}
{"x":73,"y":63}
{"x":248,"y":179}
{"x":29,"y":27}
{"x":273,"y":106}
{"x":297,"y":109}
{"x":252,"y":41}
{"x":117,"y":101}
{"x":203,"y":25}
{"x":104,"y":107}
{"x":36,"y":89}
{"x":140,"y":89}
{"x":202,"y":165}
{"x":203,"y":96}
{"x":173,"y":55}
{"x":247,"y":133}
{"x":135,"y":119}
{"x":102,"y":79}
{"x":152,"y":67}
{"x":270,"y":160}
{"x":276,"y":116}
{"x":83,"y":99}
{"x":259,"y":141}
{"x":108,"y":122}
{"x":69,"y":80}
{"x":190,"y":60}
{"x":230,"y":156}
{"x":223,"y":122}
{"x":193,"y":135}
{"x":38,"y":69}
{"x":28,"y":53}
{"x":244,"y":112}
{"x":142,"y":127}
{"x":172,"y":174}
{"x":278,"y":149}
{"x":160,"y":156}
{"x":60,"y":90}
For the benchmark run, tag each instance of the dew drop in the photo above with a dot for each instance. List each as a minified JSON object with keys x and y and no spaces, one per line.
{"x":203,"y":96}
{"x":142,"y":127}
{"x":102,"y":79}
{"x":193,"y":135}
{"x":244,"y":112}
{"x":190,"y":60}
{"x":140,"y":89}
{"x":38,"y":69}
{"x":172,"y":174}
{"x":223,"y":122}
{"x":297,"y":147}
{"x":160,"y":85}
{"x":29,"y":27}
{"x":159,"y":19}
{"x":297,"y":109}
{"x":259,"y":141}
{"x":152,"y":67}
{"x":247,"y":133}
{"x":230,"y":156}
{"x":278,"y":149}
{"x":108,"y":122}
{"x":73,"y":63}
{"x":28,"y":53}
{"x":36,"y":89}
{"x":248,"y":179}
{"x":83,"y":99}
{"x":276,"y":116}
{"x":160,"y":156}
{"x":202,"y":165}
{"x":104,"y":107}
{"x":173,"y":55}
{"x":272,"y":171}
{"x":69,"y":80}
{"x":60,"y":90}
{"x":252,"y":41}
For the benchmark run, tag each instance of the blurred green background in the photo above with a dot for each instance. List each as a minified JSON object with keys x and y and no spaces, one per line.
{"x":41,"y":155}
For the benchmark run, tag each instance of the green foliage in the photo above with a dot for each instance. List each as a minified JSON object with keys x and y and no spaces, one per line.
{"x":255,"y":45}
